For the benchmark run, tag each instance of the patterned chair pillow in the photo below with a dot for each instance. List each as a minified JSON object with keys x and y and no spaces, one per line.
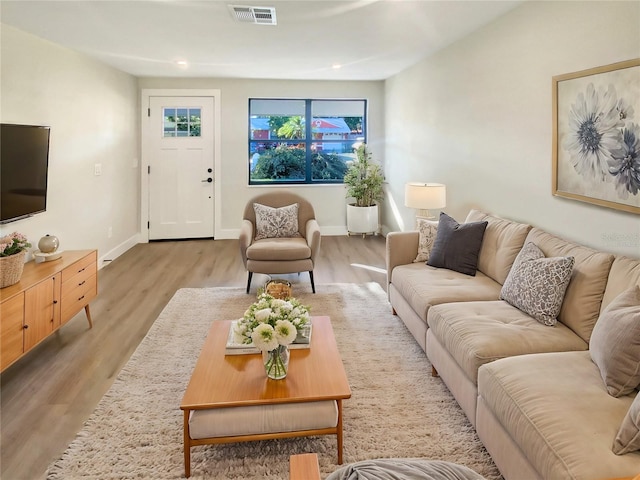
{"x":615,"y":343}
{"x":427,"y":230}
{"x":536,"y":284}
{"x":276,"y":222}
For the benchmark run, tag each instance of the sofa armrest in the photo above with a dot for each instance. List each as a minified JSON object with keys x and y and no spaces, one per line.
{"x":312,"y":234}
{"x":402,"y":248}
{"x":246,"y":238}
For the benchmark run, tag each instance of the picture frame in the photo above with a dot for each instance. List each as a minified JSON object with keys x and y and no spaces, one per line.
{"x":596,"y":136}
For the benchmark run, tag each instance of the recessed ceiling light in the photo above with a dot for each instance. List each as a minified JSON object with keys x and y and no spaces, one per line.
{"x":181,"y":63}
{"x":336,"y":66}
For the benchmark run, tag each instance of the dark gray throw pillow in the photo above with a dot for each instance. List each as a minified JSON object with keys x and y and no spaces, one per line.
{"x":457,"y":246}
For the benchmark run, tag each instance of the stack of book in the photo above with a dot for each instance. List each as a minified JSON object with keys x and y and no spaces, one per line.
{"x":303,"y":340}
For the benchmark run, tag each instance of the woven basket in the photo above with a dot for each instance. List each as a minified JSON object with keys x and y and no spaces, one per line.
{"x":11,"y":269}
{"x":278,"y":289}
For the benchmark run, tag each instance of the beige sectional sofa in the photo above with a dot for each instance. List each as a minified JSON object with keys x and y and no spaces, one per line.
{"x":536,"y":397}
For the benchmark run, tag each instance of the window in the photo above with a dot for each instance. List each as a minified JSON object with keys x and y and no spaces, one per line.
{"x":303,"y":141}
{"x":181,"y":122}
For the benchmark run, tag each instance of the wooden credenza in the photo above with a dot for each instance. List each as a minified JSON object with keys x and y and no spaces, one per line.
{"x":47,"y":296}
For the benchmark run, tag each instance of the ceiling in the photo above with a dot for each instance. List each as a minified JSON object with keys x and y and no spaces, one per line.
{"x":313,"y":40}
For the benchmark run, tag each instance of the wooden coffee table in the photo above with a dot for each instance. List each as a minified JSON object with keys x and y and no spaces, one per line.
{"x":227,"y":382}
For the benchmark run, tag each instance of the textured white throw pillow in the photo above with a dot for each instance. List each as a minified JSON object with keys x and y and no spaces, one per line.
{"x":615,"y":343}
{"x":536,"y":284}
{"x":427,"y":230}
{"x":276,"y":222}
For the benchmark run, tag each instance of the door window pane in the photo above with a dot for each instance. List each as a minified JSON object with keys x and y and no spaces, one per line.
{"x":181,"y":122}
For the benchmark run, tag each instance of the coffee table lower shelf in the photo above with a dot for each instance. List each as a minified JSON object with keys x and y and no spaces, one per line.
{"x":193,"y":442}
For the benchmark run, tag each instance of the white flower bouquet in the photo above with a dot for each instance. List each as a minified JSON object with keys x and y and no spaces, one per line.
{"x":271,"y":322}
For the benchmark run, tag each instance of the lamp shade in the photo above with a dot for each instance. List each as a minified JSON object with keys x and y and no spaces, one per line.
{"x":425,"y":196}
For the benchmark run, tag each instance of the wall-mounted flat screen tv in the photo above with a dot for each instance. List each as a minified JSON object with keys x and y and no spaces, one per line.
{"x":24,"y":163}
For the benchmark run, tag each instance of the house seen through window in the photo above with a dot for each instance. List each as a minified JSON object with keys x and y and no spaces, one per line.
{"x":294,"y":141}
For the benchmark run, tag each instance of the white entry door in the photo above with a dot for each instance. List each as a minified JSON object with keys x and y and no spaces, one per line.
{"x":180,"y":149}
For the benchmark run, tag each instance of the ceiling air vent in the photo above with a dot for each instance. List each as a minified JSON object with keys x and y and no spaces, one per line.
{"x":257,"y":15}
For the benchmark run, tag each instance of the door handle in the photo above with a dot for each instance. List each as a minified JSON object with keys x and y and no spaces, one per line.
{"x":209,"y":180}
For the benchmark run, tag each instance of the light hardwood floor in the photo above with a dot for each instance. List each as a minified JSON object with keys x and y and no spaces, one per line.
{"x":48,"y":394}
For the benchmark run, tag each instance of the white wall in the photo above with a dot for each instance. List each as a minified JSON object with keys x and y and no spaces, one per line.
{"x":328,"y":200}
{"x":92,"y":110}
{"x":477,"y":117}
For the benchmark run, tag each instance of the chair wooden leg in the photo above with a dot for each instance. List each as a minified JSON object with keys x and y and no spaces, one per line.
{"x":313,"y":285}
{"x":249,"y":281}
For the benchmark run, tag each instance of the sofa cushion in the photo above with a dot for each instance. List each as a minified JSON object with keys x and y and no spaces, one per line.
{"x":422,"y":286}
{"x":557,"y":411}
{"x":279,"y":249}
{"x":615,"y":343}
{"x":536,"y":284}
{"x":276,"y":222}
{"x":427,"y":230}
{"x":628,"y":437}
{"x":475,"y":333}
{"x":502,"y":241}
{"x":624,"y":272}
{"x":581,"y":306}
{"x":457,"y":245}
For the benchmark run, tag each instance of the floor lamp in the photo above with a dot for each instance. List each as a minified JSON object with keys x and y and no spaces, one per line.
{"x":425,"y":197}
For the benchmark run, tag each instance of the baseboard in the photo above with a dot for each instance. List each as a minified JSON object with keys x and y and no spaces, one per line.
{"x":232,"y":234}
{"x":118,"y":250}
{"x":333,"y":231}
{"x":228,"y":234}
{"x":384,"y":231}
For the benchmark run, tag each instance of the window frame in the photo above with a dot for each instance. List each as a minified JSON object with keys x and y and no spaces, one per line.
{"x":308,"y":140}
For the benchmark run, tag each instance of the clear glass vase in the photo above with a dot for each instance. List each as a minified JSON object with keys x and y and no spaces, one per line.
{"x":276,"y":362}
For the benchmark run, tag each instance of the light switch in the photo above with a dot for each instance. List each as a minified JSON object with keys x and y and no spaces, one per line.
{"x":97,"y":170}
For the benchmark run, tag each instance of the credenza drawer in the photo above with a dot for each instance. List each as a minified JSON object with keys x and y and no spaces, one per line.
{"x":75,"y":296}
{"x":80,"y":270}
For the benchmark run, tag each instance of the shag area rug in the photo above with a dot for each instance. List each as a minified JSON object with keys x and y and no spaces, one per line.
{"x":397,"y":408}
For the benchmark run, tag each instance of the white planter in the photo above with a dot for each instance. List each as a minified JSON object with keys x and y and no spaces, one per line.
{"x":362,"y":219}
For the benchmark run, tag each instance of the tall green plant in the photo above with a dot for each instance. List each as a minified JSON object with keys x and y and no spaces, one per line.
{"x":292,"y":128}
{"x":364,"y":179}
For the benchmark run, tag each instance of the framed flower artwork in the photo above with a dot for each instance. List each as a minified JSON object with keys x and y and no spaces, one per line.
{"x":596,"y":136}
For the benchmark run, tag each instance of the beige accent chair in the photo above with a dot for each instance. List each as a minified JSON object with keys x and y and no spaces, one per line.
{"x":280,"y":255}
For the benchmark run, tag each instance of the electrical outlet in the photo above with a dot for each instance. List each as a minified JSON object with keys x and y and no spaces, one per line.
{"x":97,"y":169}
{"x":109,"y":232}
